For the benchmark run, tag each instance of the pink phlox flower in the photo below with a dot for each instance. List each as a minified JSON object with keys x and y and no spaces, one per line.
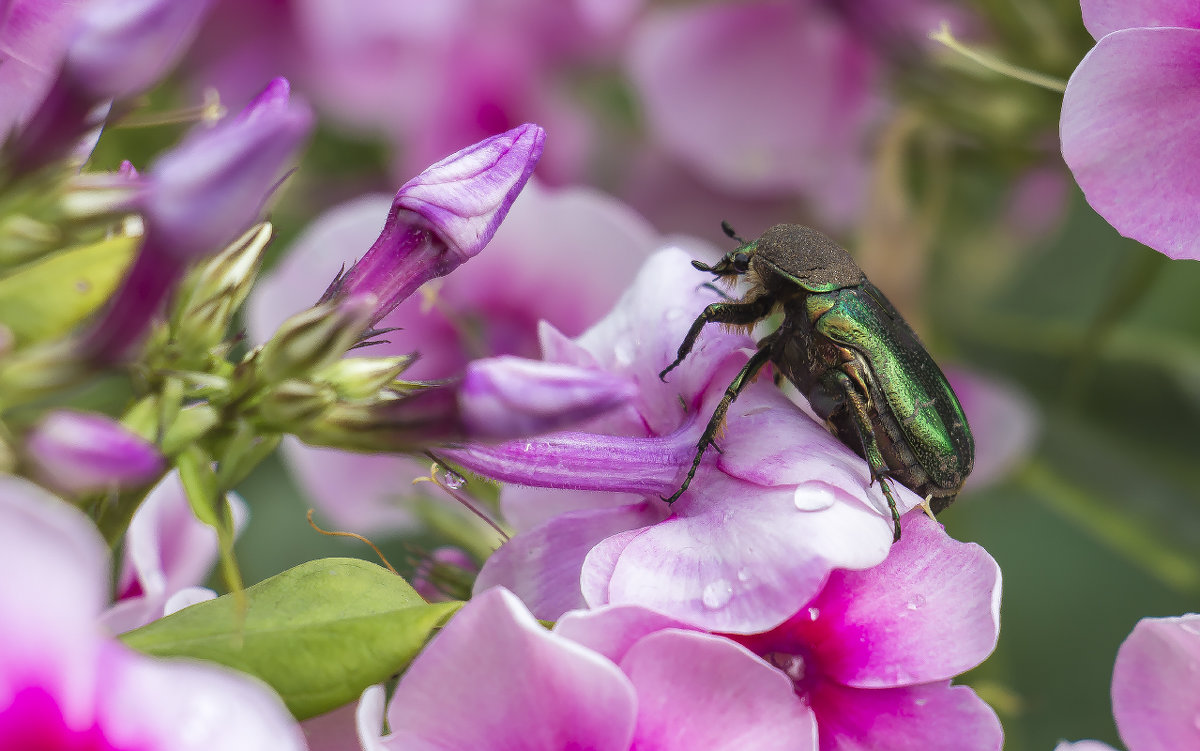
{"x":870,"y":659}
{"x":495,"y":678}
{"x":1131,"y":121}
{"x":63,"y":684}
{"x":1156,"y":684}
{"x":765,"y":520}
{"x":168,"y":554}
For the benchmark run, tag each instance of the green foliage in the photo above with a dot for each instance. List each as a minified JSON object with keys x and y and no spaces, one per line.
{"x":318,"y":633}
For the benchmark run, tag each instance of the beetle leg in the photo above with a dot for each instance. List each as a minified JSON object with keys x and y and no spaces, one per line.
{"x":744,"y":376}
{"x":858,"y":405}
{"x":720,"y":292}
{"x":733,"y":313}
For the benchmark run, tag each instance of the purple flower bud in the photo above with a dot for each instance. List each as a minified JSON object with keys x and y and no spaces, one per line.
{"x":508,"y":397}
{"x":196,"y":199}
{"x":444,"y":216}
{"x":79,"y":452}
{"x":213,"y":186}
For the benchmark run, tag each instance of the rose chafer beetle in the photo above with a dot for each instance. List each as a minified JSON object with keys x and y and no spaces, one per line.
{"x":853,"y":357}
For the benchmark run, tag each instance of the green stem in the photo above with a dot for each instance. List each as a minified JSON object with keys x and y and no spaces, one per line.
{"x":944,"y":37}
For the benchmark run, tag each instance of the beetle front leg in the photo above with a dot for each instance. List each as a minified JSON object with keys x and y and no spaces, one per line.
{"x":733,"y":313}
{"x":859,"y":409}
{"x":744,"y":377}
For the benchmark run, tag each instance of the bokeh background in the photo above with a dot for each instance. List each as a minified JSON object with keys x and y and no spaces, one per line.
{"x":940,"y":173}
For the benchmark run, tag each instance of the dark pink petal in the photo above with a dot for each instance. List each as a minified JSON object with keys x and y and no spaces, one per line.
{"x":1130,"y":128}
{"x":1156,"y":685}
{"x":885,"y":626}
{"x":931,"y":717}
{"x":34,"y":35}
{"x":1105,"y":16}
{"x":697,"y":691}
{"x":82,"y":452}
{"x":495,"y":678}
{"x":542,"y":566}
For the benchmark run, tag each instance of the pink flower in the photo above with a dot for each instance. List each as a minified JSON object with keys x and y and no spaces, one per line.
{"x":871,"y":657}
{"x":765,"y":521}
{"x":1131,"y":121}
{"x":490,"y":306}
{"x":34,"y":35}
{"x":167,"y":554}
{"x":495,"y":678}
{"x":79,"y":452}
{"x":65,"y":685}
{"x":1155,"y":692}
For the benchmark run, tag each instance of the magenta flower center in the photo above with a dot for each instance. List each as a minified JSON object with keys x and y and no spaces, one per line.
{"x":34,"y":722}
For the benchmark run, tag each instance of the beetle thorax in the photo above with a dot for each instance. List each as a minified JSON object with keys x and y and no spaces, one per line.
{"x":803,"y":256}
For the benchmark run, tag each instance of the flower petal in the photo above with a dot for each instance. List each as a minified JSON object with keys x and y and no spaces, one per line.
{"x":881,"y":627}
{"x":494,"y":678}
{"x":1105,"y":16}
{"x":1130,"y":128}
{"x":697,"y":691}
{"x":931,"y":717}
{"x":612,"y":630}
{"x":1154,"y":691}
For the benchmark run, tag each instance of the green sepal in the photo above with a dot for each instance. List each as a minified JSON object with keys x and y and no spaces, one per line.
{"x":46,"y":299}
{"x":318,"y":634}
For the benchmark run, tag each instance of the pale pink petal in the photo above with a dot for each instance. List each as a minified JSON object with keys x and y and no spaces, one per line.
{"x":697,"y":691}
{"x":612,"y":630}
{"x":1105,"y":16}
{"x":369,"y":718}
{"x":1130,"y":128}
{"x":1083,"y":746}
{"x":55,"y":582}
{"x":932,"y":717}
{"x":761,"y":96}
{"x":1003,"y":420}
{"x":882,"y":627}
{"x":495,"y":678}
{"x":187,"y":597}
{"x":189,"y":706}
{"x":1156,"y":685}
{"x":525,"y":508}
{"x":543,"y":566}
{"x":743,"y":564}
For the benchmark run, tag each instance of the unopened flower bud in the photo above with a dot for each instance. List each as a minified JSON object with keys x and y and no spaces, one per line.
{"x":293,"y":403}
{"x":78,"y":452}
{"x":444,"y":216}
{"x":361,"y":377}
{"x":315,"y":338}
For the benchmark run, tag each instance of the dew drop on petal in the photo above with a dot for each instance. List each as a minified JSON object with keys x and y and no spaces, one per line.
{"x":623,"y":352}
{"x":920,"y":702}
{"x":814,"y":614}
{"x":453,"y":480}
{"x":814,"y":496}
{"x":743,"y":575}
{"x":717,"y":594}
{"x":916,"y":603}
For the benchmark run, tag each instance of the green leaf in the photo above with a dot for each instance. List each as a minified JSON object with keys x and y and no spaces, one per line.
{"x":48,"y":298}
{"x":318,"y":633}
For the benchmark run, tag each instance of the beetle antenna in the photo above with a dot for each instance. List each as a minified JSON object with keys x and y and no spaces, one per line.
{"x":727,"y":228}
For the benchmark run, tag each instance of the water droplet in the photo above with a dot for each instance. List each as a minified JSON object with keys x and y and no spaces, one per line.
{"x":814,"y":496}
{"x":743,"y":575}
{"x":453,"y":480}
{"x":624,"y":352}
{"x":717,"y":594}
{"x":916,"y":603}
{"x":814,"y":614}
{"x":920,"y":702}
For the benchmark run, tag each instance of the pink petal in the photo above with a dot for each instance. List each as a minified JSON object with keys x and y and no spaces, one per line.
{"x":932,"y":717}
{"x":55,"y":582}
{"x":189,"y":706}
{"x":494,"y":678}
{"x":742,"y":565}
{"x":34,"y":35}
{"x":884,"y":626}
{"x":543,"y":566}
{"x":1104,"y":16}
{"x":1156,"y":684}
{"x":336,"y":730}
{"x":697,"y":691}
{"x":1083,"y":746}
{"x":797,"y":124}
{"x":612,"y":630}
{"x":1130,"y":125}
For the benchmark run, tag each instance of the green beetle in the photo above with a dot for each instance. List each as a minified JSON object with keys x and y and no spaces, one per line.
{"x":853,"y":357}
